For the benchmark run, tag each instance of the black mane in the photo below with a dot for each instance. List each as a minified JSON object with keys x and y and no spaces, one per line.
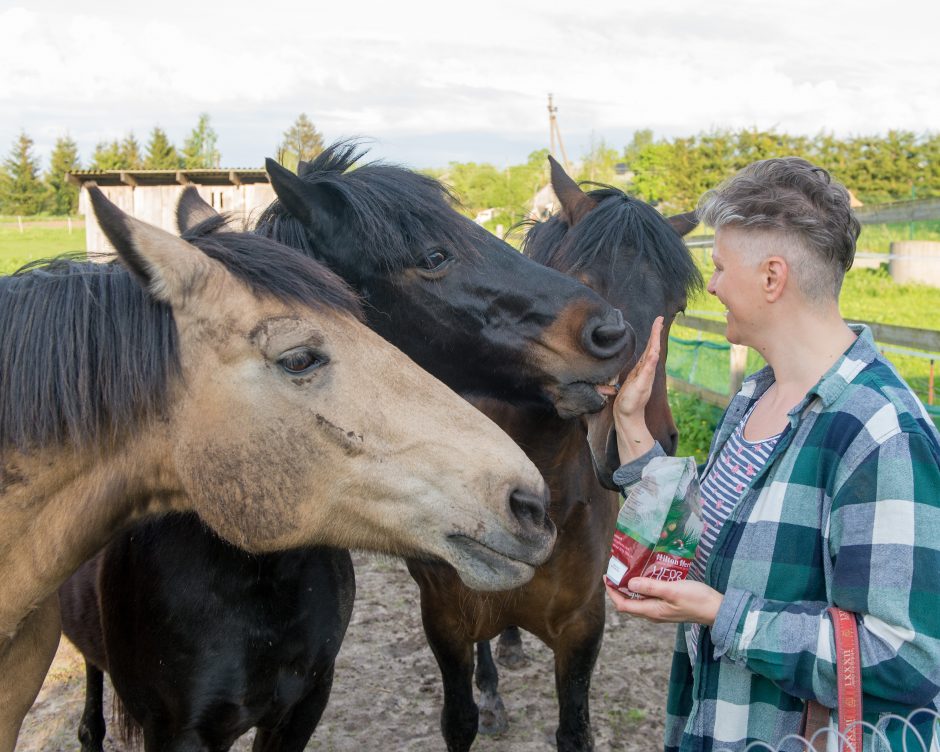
{"x":86,"y":355}
{"x":617,"y":221}
{"x":395,"y":210}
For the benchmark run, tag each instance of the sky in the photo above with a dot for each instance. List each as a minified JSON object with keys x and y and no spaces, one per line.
{"x":428,"y":83}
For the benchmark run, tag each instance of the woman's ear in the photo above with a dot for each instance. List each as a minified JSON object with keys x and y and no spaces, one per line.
{"x":775,"y":273}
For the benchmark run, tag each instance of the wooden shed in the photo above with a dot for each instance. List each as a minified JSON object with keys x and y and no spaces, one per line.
{"x":152,"y":195}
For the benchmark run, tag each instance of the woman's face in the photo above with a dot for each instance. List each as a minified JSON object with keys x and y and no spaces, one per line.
{"x":736,"y":282}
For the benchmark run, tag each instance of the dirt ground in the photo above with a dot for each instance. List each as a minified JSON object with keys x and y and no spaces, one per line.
{"x":387,"y":694}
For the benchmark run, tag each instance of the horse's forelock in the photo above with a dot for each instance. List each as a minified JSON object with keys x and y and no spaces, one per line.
{"x":394,"y":212}
{"x":622,"y":222}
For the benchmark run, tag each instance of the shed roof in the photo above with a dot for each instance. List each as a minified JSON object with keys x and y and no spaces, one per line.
{"x":218,"y":176}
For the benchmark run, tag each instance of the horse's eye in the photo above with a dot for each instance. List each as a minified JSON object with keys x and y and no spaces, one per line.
{"x":301,"y":360}
{"x":434,"y":260}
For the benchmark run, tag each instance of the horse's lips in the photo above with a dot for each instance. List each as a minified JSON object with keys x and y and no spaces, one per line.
{"x":486,"y":568}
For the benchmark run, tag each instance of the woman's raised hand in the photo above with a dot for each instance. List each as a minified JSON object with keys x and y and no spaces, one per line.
{"x":633,"y":437}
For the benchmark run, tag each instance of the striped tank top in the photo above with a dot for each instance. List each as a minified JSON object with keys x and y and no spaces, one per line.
{"x":737,"y":464}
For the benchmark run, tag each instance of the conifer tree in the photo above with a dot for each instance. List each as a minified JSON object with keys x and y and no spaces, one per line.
{"x":131,"y":158}
{"x":199,"y":149}
{"x":302,"y":141}
{"x":21,"y":190}
{"x":107,"y":156}
{"x":61,"y":196}
{"x":161,"y":154}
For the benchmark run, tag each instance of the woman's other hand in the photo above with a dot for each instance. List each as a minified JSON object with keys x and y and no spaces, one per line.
{"x":684,"y":601}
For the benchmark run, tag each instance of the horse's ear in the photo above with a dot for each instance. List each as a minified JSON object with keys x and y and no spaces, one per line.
{"x":575,"y":203}
{"x":166,"y":265}
{"x":317,"y":206}
{"x":683,"y":223}
{"x":303,"y":167}
{"x":192,"y":210}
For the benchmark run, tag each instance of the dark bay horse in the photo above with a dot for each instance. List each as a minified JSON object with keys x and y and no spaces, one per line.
{"x":460,"y":302}
{"x":224,"y":377}
{"x":635,"y":259}
{"x":475,"y":312}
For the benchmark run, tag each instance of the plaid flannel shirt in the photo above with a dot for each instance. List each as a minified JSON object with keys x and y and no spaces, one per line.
{"x":846,"y":512}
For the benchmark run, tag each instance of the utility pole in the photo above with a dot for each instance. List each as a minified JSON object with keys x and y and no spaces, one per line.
{"x":554,"y":132}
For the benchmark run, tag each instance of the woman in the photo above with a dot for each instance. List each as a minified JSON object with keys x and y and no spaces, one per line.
{"x":822,"y":487}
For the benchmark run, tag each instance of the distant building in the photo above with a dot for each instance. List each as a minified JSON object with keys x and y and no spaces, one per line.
{"x":544,"y":203}
{"x":484,"y":216}
{"x":152,"y":195}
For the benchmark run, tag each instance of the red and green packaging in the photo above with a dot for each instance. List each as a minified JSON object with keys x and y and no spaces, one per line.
{"x":659,"y":525}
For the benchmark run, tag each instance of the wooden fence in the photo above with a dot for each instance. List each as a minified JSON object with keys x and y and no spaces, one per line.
{"x":923,"y":343}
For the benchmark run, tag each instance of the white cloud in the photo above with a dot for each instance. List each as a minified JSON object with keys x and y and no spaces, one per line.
{"x":405,"y":71}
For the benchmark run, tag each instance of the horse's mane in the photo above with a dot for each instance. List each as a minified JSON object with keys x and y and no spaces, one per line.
{"x":617,"y":221}
{"x":86,"y":355}
{"x":394,"y":210}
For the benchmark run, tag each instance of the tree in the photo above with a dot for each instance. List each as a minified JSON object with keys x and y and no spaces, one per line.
{"x":599,"y":165}
{"x":61,"y":196}
{"x":21,"y":191}
{"x":131,"y":158}
{"x":199,"y":148}
{"x":161,"y":154}
{"x":107,"y":156}
{"x":302,"y":141}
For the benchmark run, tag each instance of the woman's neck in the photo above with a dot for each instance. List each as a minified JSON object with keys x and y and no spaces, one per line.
{"x":802,"y":345}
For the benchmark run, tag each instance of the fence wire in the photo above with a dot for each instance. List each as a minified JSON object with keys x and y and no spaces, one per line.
{"x":918,"y":732}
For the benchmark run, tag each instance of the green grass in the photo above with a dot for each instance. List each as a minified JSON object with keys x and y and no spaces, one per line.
{"x":18,"y":248}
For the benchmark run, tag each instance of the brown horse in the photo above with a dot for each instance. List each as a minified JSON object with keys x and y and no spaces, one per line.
{"x":234,"y":379}
{"x":631,"y":255}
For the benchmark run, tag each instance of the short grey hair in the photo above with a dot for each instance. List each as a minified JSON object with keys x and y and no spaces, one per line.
{"x":791,"y":197}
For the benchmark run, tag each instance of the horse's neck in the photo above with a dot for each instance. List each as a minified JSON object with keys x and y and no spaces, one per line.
{"x":59,"y":508}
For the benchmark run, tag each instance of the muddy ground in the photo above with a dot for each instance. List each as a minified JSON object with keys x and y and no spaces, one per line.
{"x":387,"y":694}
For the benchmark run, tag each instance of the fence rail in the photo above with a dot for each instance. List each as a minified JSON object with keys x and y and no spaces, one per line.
{"x":922,"y":343}
{"x":921,"y":210}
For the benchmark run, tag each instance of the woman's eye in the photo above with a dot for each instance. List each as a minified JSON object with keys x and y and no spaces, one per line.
{"x":300,"y":360}
{"x":433,"y":260}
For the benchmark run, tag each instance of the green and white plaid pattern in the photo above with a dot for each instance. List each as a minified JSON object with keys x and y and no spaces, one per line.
{"x":846,"y":512}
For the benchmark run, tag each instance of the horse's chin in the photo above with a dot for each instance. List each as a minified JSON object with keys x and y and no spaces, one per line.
{"x":576,"y":398}
{"x":481,"y":567}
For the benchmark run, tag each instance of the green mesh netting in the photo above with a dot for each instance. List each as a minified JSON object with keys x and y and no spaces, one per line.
{"x":705,"y":364}
{"x":698,"y":362}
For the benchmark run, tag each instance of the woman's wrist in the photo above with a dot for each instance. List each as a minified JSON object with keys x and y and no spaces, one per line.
{"x":633,"y":439}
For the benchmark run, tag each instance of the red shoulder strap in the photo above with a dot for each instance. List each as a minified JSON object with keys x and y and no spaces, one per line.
{"x":848,"y":675}
{"x":848,"y":681}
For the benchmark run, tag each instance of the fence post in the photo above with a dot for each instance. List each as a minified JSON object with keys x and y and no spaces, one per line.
{"x":738,"y":362}
{"x":19,"y":221}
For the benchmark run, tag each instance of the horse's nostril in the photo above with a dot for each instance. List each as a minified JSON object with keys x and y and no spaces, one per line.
{"x":528,"y":510}
{"x":606,"y":336}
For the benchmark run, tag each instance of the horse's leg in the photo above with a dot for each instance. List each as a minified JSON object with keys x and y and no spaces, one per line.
{"x":455,"y":659}
{"x":575,"y":655}
{"x":24,"y":661}
{"x":91,"y":727}
{"x":293,"y":733}
{"x":493,"y":718}
{"x":509,"y":652}
{"x":158,"y":740}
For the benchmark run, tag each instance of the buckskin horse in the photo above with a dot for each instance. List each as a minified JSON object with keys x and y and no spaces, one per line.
{"x":472,"y":310}
{"x":635,"y":258}
{"x":225,"y":378}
